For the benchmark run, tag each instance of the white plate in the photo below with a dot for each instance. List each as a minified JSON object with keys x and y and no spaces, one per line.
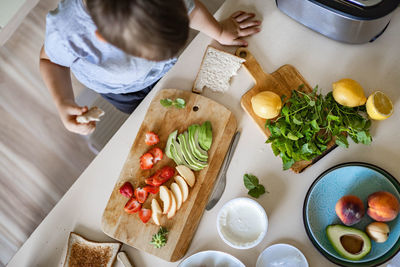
{"x":281,"y":255}
{"x":211,"y":258}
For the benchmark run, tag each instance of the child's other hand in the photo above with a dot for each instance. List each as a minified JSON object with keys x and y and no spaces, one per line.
{"x":239,"y":24}
{"x":68,"y":111}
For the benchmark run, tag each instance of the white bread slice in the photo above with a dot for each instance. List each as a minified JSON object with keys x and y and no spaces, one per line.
{"x":216,"y":70}
{"x":83,"y":252}
{"x":93,"y":114}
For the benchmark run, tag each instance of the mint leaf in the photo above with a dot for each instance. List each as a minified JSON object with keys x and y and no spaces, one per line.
{"x":166,"y":102}
{"x":179,"y":103}
{"x":256,"y":192}
{"x":250,"y":181}
{"x":341,"y":140}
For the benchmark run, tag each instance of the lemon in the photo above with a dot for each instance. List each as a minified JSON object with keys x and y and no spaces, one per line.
{"x":379,"y":106}
{"x":266,"y":104}
{"x":348,"y":92}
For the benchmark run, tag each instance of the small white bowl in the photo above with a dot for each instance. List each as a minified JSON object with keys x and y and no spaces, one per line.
{"x":242,"y":223}
{"x":281,"y":255}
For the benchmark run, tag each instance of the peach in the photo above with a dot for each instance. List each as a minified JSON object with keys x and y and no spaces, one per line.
{"x":350,"y":209}
{"x":383,"y":206}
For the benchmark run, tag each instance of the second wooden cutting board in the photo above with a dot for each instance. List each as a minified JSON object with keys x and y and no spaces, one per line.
{"x":128,"y":228}
{"x":282,"y":81}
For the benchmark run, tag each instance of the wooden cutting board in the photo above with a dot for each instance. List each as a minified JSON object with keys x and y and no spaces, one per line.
{"x":128,"y":228}
{"x":283,"y":81}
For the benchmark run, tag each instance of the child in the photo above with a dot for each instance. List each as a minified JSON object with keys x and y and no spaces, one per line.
{"x":121,"y":48}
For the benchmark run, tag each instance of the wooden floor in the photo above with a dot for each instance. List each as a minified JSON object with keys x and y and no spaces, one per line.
{"x":39,"y":159}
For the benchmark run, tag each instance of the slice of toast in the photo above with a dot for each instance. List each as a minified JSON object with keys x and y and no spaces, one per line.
{"x":93,"y":114}
{"x":83,"y":252}
{"x":216,"y":70}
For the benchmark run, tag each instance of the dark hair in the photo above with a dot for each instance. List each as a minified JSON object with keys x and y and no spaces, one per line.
{"x":159,"y":27}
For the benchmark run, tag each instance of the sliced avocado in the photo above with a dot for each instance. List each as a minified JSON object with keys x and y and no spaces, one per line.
{"x":190,"y":159}
{"x":181,"y":158}
{"x":197,"y":161}
{"x":205,"y":135}
{"x":171,"y":137}
{"x":198,"y":152}
{"x":175,"y":155}
{"x":349,"y":242}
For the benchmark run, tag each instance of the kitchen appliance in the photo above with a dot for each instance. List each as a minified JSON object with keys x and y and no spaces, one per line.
{"x":349,"y":21}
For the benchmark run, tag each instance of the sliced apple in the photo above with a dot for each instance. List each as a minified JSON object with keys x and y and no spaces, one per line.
{"x":172,"y":210}
{"x":176,"y":190}
{"x":155,"y":211}
{"x":183,"y":186}
{"x":165,"y":196}
{"x":187,"y":174}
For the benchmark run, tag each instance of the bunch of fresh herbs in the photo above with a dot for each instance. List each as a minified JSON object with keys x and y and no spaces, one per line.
{"x":309,"y":121}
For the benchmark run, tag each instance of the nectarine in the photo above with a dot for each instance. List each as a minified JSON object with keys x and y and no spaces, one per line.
{"x":383,"y":206}
{"x":350,"y":209}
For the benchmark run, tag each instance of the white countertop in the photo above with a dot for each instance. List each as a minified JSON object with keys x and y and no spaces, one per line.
{"x":282,"y":41}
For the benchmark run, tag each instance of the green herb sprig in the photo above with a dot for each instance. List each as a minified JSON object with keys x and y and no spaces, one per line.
{"x":178,"y":102}
{"x":160,"y":239}
{"x":252,"y":184}
{"x":309,"y":121}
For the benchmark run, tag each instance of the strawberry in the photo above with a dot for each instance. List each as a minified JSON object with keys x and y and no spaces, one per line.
{"x":145,"y":215}
{"x":132,"y":206}
{"x":150,"y":180}
{"x":141,"y":194}
{"x":126,"y":190}
{"x":167,"y":172}
{"x":151,"y":138}
{"x":157,"y":154}
{"x":151,"y":189}
{"x":146,"y":161}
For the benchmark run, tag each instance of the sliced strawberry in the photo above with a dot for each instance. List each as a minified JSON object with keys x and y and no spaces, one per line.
{"x":132,"y":206}
{"x":151,"y":138}
{"x":157,"y":154}
{"x":151,"y":189}
{"x":150,"y":180}
{"x":146,"y":161}
{"x":126,"y":190}
{"x":157,"y":181}
{"x":145,"y":215}
{"x":167,"y":172}
{"x":141,"y":194}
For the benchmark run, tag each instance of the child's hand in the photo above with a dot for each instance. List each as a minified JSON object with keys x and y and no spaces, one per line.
{"x":239,"y":24}
{"x":68,"y":111}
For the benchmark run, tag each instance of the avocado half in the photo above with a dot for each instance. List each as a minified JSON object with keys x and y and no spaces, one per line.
{"x":349,"y":242}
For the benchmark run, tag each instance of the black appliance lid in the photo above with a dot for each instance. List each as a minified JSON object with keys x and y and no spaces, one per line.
{"x":359,"y":9}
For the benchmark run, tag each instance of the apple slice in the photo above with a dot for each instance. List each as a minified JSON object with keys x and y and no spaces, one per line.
{"x":173,"y":209}
{"x":176,"y":190}
{"x":183,"y":186}
{"x":187,"y":174}
{"x":155,"y":211}
{"x":165,"y":196}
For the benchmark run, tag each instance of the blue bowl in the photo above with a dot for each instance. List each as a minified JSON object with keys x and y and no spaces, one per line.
{"x":359,"y":179}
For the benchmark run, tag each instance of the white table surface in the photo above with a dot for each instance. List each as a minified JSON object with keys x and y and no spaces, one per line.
{"x":321,"y":61}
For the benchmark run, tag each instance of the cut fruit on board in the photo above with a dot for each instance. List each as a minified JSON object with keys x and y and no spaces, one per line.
{"x":128,"y":228}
